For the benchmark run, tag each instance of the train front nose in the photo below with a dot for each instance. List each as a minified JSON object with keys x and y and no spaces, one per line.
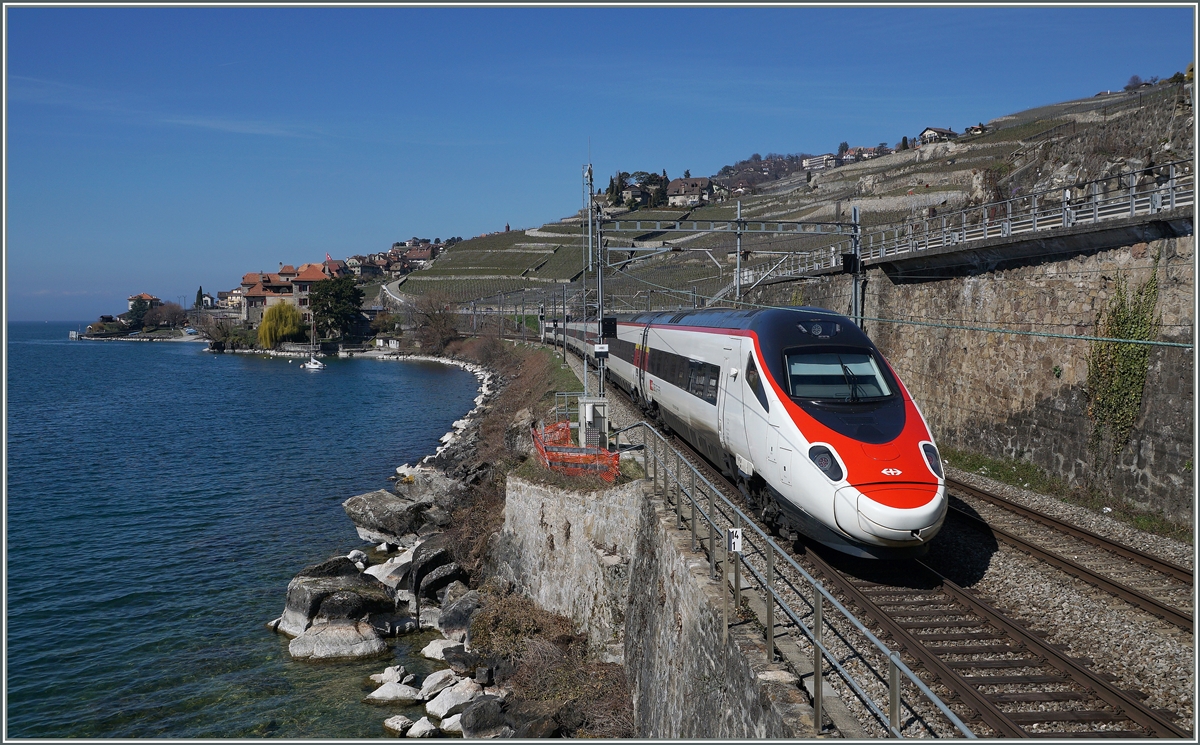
{"x":894,"y":512}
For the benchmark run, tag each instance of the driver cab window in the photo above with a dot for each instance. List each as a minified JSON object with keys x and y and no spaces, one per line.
{"x":754,"y":380}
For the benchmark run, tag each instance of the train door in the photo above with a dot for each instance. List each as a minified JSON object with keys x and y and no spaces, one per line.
{"x":732,"y":424}
{"x":640,"y":361}
{"x":755,"y":412}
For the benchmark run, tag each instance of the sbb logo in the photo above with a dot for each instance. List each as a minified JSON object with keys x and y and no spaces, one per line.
{"x":891,"y":472}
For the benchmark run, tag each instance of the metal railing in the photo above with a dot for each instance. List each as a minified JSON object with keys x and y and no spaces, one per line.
{"x":688,"y":492}
{"x":1139,"y":193}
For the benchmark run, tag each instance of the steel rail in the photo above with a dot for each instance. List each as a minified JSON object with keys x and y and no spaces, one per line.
{"x":967,"y":693}
{"x":1122,"y":701}
{"x":747,"y":521}
{"x":1139,"y":599}
{"x":1161,"y":565}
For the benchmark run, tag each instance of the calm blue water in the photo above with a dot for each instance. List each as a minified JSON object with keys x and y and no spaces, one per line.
{"x":159,"y":500}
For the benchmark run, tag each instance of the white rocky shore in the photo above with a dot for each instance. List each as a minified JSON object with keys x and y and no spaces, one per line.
{"x":350,"y":606}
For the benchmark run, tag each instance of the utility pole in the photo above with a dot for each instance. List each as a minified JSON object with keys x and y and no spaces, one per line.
{"x":857,"y":246}
{"x":738,"y":279}
{"x":587,"y":188}
{"x":601,"y":262}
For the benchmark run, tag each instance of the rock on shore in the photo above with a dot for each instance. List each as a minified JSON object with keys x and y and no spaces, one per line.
{"x":332,"y":590}
{"x":421,"y":505}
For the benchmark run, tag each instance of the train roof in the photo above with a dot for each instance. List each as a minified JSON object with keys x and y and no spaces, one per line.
{"x":770,"y":322}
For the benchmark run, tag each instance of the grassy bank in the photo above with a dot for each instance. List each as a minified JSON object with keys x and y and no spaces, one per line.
{"x":1026,"y":475}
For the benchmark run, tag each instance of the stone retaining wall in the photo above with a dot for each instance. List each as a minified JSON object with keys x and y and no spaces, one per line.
{"x":1024,"y":397}
{"x":614,"y":562}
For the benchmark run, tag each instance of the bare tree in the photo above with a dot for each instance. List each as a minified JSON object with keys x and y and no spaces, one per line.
{"x":435,"y":321}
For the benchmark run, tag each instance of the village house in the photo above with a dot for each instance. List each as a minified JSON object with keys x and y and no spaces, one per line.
{"x":290,"y":285}
{"x":634,"y":192}
{"x":335,"y":268}
{"x":423,"y":252}
{"x":231,"y":299}
{"x":976,"y":129}
{"x":688,"y":192}
{"x":151,"y":301}
{"x":819,"y":162}
{"x":936,"y":134}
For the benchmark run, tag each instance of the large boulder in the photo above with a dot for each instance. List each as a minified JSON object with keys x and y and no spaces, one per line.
{"x":393,"y":674}
{"x":308,"y":590}
{"x":423,"y":728}
{"x":484,"y":718}
{"x":454,"y":699}
{"x":339,"y":640}
{"x":397,"y":725}
{"x":439,"y":578}
{"x":452,"y":724}
{"x":394,"y":693}
{"x":381,"y":516}
{"x":430,"y":554}
{"x":435,"y":649}
{"x":437,"y":682}
{"x":455,"y":619}
{"x":518,"y":437}
{"x":394,"y":571}
{"x":533,"y":719}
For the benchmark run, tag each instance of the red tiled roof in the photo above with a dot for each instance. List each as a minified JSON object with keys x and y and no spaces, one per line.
{"x":310,"y":273}
{"x":287,"y":269}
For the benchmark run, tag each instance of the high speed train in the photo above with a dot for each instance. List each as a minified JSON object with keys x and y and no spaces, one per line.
{"x":799,"y":408}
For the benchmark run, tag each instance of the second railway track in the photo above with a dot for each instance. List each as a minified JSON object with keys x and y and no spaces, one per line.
{"x":1155,"y":585}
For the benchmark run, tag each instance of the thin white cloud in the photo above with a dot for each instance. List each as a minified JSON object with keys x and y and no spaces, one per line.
{"x":53,"y":93}
{"x":235,"y":125}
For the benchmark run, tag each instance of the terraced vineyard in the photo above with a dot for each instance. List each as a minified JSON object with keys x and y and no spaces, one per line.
{"x":888,"y":191}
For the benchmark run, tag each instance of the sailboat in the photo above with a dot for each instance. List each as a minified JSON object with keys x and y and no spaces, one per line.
{"x":313,"y":363}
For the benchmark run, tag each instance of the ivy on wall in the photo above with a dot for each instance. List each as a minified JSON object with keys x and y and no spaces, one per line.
{"x":1116,"y":375}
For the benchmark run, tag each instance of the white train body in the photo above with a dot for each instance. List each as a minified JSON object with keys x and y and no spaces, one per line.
{"x":799,"y":407}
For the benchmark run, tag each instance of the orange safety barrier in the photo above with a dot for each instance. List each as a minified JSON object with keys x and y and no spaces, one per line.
{"x":553,"y":444}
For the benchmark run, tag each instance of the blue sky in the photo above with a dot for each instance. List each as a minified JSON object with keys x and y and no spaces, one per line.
{"x":161,"y":149}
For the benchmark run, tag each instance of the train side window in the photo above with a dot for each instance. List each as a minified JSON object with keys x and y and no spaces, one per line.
{"x":755,"y":382}
{"x":714,"y":374}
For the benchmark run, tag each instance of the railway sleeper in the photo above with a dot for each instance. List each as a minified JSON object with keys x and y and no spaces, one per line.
{"x":1031,"y":696}
{"x":1040,"y":717}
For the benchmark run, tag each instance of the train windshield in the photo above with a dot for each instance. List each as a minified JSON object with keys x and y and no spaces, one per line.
{"x":835,"y":376}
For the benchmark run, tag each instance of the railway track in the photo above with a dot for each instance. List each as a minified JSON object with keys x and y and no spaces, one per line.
{"x":992,"y":669}
{"x":1157,"y":586}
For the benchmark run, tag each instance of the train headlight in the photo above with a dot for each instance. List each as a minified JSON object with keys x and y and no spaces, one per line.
{"x":933,"y":458}
{"x":823,"y":458}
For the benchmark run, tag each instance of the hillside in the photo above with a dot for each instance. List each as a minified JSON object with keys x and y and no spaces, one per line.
{"x":1047,"y":148}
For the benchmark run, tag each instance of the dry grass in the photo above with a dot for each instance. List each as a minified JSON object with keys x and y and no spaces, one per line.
{"x":552,"y":665}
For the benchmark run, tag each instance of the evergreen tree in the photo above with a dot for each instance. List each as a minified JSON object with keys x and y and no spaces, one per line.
{"x":200,"y":297}
{"x":904,"y":142}
{"x":335,"y":303}
{"x":137,"y":312}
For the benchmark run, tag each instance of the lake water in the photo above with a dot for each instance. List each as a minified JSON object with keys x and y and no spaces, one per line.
{"x":159,"y":500}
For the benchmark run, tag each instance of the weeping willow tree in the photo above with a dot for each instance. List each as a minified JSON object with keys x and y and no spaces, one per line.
{"x":280,"y":323}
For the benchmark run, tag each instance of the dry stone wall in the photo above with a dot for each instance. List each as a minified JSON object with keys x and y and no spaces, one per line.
{"x":1023,"y":396}
{"x":615,"y":564}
